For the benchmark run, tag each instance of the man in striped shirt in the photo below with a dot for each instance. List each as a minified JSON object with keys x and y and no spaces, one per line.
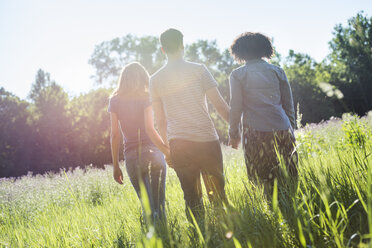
{"x":178,"y":92}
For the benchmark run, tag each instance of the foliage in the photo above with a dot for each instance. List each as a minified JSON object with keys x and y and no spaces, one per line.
{"x":350,"y":63}
{"x":357,"y":132}
{"x":83,"y":207}
{"x":91,"y":124}
{"x":51,"y":125}
{"x":330,"y":207}
{"x":50,"y":130}
{"x":305,"y":74}
{"x":15,"y":133}
{"x":109,"y":57}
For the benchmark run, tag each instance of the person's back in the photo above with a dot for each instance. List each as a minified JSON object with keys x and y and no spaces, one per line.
{"x":130,"y":115}
{"x":262,"y":94}
{"x":131,"y":112}
{"x":260,"y":85}
{"x":178,"y":93}
{"x":182,"y":85}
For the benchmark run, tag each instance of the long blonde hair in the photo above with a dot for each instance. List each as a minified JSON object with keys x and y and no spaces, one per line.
{"x":133,"y":81}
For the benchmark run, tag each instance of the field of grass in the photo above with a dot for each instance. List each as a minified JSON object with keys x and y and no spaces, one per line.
{"x":331,"y":206}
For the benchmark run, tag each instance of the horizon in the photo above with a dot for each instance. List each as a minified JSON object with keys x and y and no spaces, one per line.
{"x":59,"y":38}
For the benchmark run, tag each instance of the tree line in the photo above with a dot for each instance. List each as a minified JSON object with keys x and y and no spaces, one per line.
{"x":50,"y":130}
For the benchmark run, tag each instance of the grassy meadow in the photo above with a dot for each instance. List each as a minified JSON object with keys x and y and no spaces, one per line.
{"x":84,"y":207}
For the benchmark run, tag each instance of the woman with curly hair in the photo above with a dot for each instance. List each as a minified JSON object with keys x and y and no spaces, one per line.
{"x":261,"y":94}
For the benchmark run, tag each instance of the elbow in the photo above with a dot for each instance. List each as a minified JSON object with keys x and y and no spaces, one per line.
{"x":114,"y":136}
{"x":235,"y":115}
{"x":220,"y":108}
{"x":149,"y":129}
{"x":223,"y":109}
{"x":162,"y":122}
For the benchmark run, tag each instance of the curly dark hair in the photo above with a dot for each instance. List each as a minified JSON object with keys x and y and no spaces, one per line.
{"x":251,"y":45}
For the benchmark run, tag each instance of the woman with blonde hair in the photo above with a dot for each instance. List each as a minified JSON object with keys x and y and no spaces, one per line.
{"x":131,"y":112}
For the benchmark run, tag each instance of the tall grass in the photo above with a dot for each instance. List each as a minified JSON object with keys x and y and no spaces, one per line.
{"x":331,"y":206}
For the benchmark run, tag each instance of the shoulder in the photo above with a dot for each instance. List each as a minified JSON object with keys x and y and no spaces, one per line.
{"x":112,"y":104}
{"x":239,"y":72}
{"x":278,"y":70}
{"x":274,"y":67}
{"x":193,"y":64}
{"x":157,"y":75}
{"x":197,"y":67}
{"x":113,"y":99}
{"x":144,"y":100}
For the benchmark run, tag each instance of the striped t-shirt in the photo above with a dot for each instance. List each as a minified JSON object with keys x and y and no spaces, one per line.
{"x":180,"y":86}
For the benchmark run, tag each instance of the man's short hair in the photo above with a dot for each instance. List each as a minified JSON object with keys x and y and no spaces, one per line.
{"x":171,"y":40}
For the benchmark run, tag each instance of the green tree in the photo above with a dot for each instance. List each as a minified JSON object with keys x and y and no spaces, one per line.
{"x":109,"y":57}
{"x":91,"y":127}
{"x":15,"y":135}
{"x":350,"y":63}
{"x":51,"y":124}
{"x":305,"y":75}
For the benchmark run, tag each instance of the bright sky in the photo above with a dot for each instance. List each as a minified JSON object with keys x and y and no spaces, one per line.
{"x":59,"y":36}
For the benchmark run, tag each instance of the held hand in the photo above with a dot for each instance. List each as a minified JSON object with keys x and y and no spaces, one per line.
{"x":118,"y":175}
{"x":234,"y":143}
{"x":167,"y":157}
{"x":167,"y":152}
{"x":169,"y":161}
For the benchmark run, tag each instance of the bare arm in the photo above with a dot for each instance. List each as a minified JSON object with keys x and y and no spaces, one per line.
{"x":115,"y":144}
{"x":153,"y":134}
{"x":115,"y":139}
{"x":218,"y":102}
{"x":236,"y":105}
{"x":161,"y":120}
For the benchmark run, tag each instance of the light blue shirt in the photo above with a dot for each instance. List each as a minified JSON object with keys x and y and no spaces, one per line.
{"x":261,"y":94}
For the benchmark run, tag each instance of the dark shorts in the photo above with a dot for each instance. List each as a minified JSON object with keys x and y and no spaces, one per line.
{"x":261,"y":150}
{"x":194,"y":159}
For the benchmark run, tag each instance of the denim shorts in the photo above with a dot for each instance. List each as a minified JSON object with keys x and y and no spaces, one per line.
{"x":142,"y":160}
{"x":147,"y":165}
